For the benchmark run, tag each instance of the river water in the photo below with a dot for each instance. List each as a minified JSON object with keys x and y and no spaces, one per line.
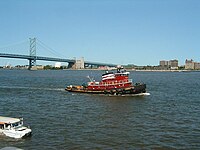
{"x":166,"y":119}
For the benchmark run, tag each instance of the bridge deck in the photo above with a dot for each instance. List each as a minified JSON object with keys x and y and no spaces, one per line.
{"x":52,"y":59}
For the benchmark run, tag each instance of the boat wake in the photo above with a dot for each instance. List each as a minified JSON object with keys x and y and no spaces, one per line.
{"x":146,"y":94}
{"x":10,"y":148}
{"x":32,"y":88}
{"x":132,"y":95}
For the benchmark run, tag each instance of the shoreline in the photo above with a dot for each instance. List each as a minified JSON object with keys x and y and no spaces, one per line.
{"x":136,"y":70}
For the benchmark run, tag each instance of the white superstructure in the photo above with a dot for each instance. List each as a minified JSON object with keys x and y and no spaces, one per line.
{"x":13,"y":127}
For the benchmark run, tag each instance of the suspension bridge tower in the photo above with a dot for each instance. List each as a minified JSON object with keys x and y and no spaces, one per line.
{"x":32,"y":61}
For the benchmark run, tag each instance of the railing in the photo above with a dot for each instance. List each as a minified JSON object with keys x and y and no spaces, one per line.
{"x":112,"y":83}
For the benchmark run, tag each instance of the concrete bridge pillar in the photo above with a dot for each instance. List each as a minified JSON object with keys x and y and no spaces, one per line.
{"x":78,"y":64}
{"x":71,"y":65}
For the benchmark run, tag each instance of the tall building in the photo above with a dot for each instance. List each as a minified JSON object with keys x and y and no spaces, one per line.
{"x":172,"y":64}
{"x":163,"y":63}
{"x":189,"y":64}
{"x":197,"y":66}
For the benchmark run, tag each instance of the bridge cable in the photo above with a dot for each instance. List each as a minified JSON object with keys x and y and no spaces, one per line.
{"x":49,"y":49}
{"x":14,"y":44}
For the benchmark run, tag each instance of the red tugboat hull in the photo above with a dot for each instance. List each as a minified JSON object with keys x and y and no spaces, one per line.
{"x":135,"y":89}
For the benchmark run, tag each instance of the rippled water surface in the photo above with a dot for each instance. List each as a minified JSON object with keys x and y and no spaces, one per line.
{"x":167,"y":119}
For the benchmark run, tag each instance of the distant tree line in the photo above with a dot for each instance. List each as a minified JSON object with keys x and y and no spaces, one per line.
{"x":49,"y":67}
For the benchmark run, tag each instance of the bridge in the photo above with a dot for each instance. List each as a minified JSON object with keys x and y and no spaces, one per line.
{"x":72,"y":63}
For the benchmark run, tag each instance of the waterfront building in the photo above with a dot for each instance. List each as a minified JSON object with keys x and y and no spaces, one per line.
{"x":163,"y":63}
{"x":189,"y":64}
{"x":197,"y":66}
{"x":172,"y":64}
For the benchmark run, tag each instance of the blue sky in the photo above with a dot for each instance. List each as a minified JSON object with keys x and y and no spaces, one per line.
{"x":140,"y":32}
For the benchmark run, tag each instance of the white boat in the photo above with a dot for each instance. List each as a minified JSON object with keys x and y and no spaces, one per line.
{"x":13,"y":127}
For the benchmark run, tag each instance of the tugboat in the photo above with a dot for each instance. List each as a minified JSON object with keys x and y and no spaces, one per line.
{"x":117,"y":83}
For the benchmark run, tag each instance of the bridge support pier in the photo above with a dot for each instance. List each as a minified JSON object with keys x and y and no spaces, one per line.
{"x":78,"y":64}
{"x":32,"y":62}
{"x":71,"y":65}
